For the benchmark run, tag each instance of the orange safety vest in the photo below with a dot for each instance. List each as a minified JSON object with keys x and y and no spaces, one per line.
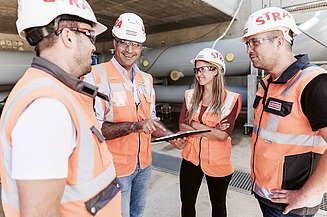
{"x":285,"y":150}
{"x":133,"y":148}
{"x":214,"y":156}
{"x":91,"y":169}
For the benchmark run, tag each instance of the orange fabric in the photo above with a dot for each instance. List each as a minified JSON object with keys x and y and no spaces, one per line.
{"x":135,"y":147}
{"x":102,"y":157}
{"x":268,"y":156}
{"x":213,"y":156}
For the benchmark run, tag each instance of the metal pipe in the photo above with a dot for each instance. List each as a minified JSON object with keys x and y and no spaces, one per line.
{"x":164,"y":93}
{"x":162,"y":61}
{"x":13,"y":64}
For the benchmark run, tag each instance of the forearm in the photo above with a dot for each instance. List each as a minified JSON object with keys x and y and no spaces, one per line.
{"x":185,"y":127}
{"x":40,"y":197}
{"x":112,"y":130}
{"x":214,"y":134}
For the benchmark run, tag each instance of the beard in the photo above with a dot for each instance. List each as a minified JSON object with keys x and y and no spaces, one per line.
{"x":83,"y":64}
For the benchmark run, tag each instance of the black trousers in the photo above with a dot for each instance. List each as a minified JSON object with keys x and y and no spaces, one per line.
{"x":190,"y":181}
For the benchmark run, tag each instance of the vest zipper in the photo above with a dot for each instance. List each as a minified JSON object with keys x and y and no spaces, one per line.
{"x":200,"y":150}
{"x":139,"y":135}
{"x":264,"y":98}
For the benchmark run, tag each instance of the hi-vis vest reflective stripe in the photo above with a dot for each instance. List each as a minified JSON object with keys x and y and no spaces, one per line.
{"x":282,"y":136}
{"x":90,"y":166}
{"x":127,"y":150}
{"x":213,"y":156}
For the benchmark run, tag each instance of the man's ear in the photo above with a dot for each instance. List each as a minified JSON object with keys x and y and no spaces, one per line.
{"x":66,"y":37}
{"x":280,"y":41}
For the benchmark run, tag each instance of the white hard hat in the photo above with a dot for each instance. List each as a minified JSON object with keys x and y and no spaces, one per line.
{"x":130,"y":27}
{"x":39,"y":13}
{"x":268,"y":19}
{"x":212,"y":56}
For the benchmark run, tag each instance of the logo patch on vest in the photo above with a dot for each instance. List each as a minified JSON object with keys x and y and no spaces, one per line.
{"x":278,"y":107}
{"x":275,"y":105}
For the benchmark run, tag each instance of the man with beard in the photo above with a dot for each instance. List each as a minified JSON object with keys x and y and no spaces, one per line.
{"x":54,"y":161}
{"x":290,"y":123}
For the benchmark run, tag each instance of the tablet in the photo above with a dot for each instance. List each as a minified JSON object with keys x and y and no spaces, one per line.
{"x":180,"y":135}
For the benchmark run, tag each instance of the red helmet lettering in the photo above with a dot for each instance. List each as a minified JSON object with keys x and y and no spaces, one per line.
{"x":286,"y":14}
{"x":85,"y":5}
{"x":260,"y":21}
{"x":74,"y":1}
{"x":214,"y":54}
{"x":276,"y":16}
{"x":267,"y":15}
{"x":118,"y":23}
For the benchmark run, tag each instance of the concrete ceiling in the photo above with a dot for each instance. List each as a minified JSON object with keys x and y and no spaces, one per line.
{"x":158,"y":15}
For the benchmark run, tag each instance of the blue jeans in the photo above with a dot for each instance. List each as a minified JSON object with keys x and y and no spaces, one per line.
{"x":268,"y":211}
{"x":134,"y":190}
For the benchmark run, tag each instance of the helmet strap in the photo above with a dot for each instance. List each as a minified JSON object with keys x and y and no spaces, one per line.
{"x":35,"y":35}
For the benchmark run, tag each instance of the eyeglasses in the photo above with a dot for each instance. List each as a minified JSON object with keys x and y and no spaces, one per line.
{"x":135,"y":45}
{"x":254,"y":42}
{"x":204,"y":69}
{"x":90,"y":33}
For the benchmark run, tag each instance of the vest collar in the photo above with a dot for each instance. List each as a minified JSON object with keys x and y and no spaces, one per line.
{"x":301,"y":63}
{"x":67,"y":79}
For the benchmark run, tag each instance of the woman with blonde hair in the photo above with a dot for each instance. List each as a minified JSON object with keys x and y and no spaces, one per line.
{"x":208,"y":106}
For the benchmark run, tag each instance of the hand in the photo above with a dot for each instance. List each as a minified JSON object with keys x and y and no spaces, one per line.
{"x":223,"y":125}
{"x":294,"y":199}
{"x":178,"y":143}
{"x":149,"y":126}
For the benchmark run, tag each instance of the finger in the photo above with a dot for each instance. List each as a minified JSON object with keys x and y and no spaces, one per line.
{"x":279,"y":191}
{"x":278,"y":196}
{"x":158,"y":125}
{"x":223,"y":121}
{"x":174,"y":144}
{"x":288,"y":209}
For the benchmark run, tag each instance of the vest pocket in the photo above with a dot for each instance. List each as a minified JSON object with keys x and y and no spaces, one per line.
{"x":218,"y":156}
{"x":119,"y":98}
{"x":100,"y":200}
{"x":278,"y":107}
{"x":298,"y":168}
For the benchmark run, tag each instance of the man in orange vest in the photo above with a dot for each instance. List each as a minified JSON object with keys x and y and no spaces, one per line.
{"x":129,"y":119}
{"x":54,"y":161}
{"x":290,"y":124}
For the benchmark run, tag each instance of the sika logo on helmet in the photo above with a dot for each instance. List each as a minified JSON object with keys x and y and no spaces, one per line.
{"x":212,"y":56}
{"x":268,"y":19}
{"x":39,"y":13}
{"x":129,"y":27}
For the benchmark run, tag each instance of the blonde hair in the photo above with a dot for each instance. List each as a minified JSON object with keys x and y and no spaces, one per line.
{"x":218,"y":93}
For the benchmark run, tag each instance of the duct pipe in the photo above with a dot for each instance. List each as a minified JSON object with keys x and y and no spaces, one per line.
{"x":162,"y":61}
{"x":164,"y":93}
{"x":13,"y":64}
